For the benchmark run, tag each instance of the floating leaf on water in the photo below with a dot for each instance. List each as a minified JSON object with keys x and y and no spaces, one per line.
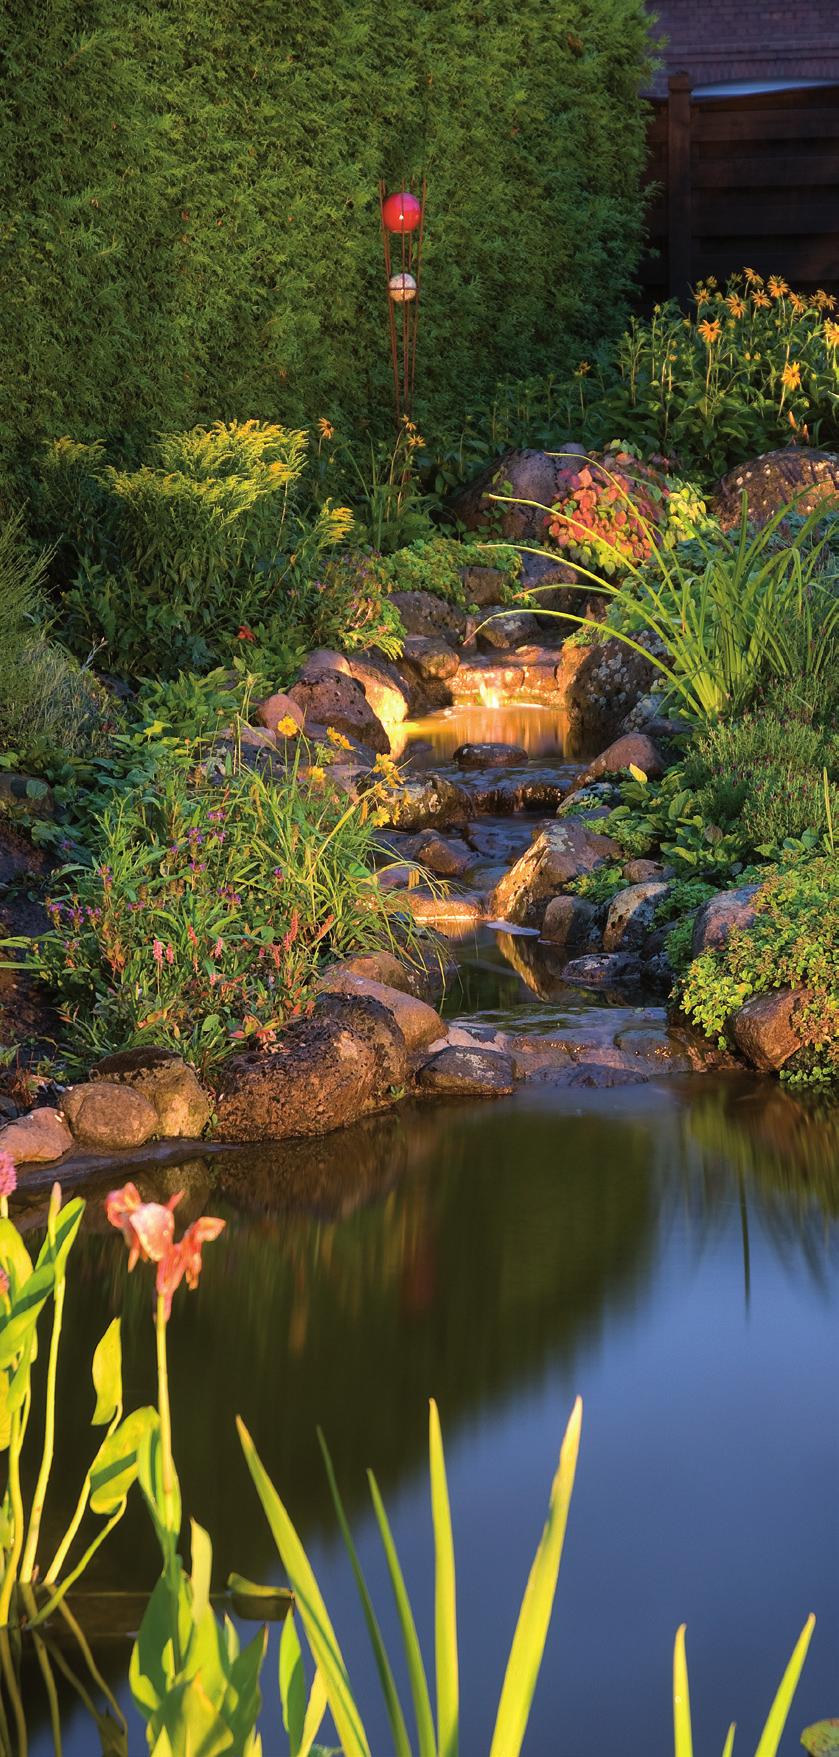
{"x":261,"y":1604}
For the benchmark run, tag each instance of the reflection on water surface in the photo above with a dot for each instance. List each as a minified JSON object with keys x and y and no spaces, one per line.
{"x":541,"y":731}
{"x":671,"y":1254}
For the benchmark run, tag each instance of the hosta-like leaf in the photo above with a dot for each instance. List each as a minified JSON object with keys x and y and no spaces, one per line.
{"x":107,"y":1375}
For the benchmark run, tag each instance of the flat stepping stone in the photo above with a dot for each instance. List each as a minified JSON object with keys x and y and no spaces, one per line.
{"x":468,"y":1073}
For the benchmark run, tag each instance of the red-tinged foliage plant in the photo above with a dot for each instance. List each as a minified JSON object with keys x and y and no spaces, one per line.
{"x":614,"y":510}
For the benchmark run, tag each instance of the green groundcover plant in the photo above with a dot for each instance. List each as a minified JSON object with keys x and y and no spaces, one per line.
{"x":215,"y":894}
{"x":794,"y":942}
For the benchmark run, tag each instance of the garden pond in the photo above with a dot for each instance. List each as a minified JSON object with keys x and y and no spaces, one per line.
{"x":669,"y":1251}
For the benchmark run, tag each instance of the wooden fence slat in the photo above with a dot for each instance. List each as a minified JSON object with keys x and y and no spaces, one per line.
{"x":769,"y":171}
{"x":760,"y":125}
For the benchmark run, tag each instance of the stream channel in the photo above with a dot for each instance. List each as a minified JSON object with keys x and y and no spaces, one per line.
{"x":668,"y":1250}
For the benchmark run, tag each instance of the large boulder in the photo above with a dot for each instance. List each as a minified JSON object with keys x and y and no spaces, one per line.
{"x":483,"y":585}
{"x":36,"y":1139}
{"x":767,"y":1030}
{"x":425,"y":800}
{"x":598,"y":685}
{"x":489,"y":756}
{"x":631,"y":915}
{"x":799,"y":473}
{"x":562,"y":851}
{"x":104,"y":1115}
{"x":633,"y":750}
{"x":569,"y":921}
{"x":715,"y":920}
{"x":418,"y":1022}
{"x":333,"y":698}
{"x":424,"y":613}
{"x":276,"y":710}
{"x":504,"y":629}
{"x":182,"y":1106}
{"x":521,"y":475}
{"x":429,"y":658}
{"x":348,"y":1059}
{"x":459,"y":1071}
{"x":390,"y":697}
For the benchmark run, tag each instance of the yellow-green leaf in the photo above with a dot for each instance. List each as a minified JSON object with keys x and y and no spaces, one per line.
{"x":445,"y":1594}
{"x":682,"y":1732}
{"x":107,"y":1375}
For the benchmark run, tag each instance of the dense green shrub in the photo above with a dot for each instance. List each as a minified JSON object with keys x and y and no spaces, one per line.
{"x":169,"y":561}
{"x":190,"y":201}
{"x":776,"y":779}
{"x":212,"y":899}
{"x":794,"y":942}
{"x":47,"y":701}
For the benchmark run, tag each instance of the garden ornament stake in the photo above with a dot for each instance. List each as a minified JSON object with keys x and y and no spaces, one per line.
{"x":403,"y":218}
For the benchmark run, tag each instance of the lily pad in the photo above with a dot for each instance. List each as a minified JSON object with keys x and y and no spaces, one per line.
{"x":822,"y":1738}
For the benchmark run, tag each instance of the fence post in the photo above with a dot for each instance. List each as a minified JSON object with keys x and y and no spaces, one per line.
{"x":679,"y":220}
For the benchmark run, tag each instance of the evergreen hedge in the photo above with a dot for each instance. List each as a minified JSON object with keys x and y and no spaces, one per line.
{"x":190,"y":221}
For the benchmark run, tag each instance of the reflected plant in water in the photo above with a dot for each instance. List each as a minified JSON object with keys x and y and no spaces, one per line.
{"x":196,"y":1690}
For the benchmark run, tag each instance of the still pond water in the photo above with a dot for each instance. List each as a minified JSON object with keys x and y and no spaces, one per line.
{"x":670,"y":1252}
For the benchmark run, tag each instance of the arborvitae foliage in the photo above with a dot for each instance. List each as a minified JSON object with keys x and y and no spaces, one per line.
{"x":190,"y":219}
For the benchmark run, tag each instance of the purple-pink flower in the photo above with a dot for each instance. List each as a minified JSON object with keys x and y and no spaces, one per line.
{"x":8,"y":1174}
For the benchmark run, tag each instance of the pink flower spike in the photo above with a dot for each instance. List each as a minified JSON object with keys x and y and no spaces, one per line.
{"x":157,"y":951}
{"x":8,"y":1175}
{"x":170,"y":953}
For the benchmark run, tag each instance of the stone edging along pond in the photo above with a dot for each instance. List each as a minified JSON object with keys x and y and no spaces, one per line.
{"x":375,"y":1034}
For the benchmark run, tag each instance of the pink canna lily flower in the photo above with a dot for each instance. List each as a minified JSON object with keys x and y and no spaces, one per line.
{"x":147,"y":1227}
{"x":8,"y":1175}
{"x":184,"y":1258}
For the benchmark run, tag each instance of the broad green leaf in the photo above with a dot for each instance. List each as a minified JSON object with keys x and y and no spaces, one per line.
{"x":29,"y":1300}
{"x":315,"y":1712}
{"x":150,"y":1474}
{"x":682,"y":1733}
{"x":410,"y":1639}
{"x":269,"y":1604}
{"x":537,"y":1604}
{"x":107,"y":1375}
{"x":5,"y":1413}
{"x":116,"y":1464}
{"x":202,"y":1569}
{"x":14,"y":1256}
{"x":445,"y":1594}
{"x":776,"y":1719}
{"x":321,"y":1635}
{"x":822,"y":1738}
{"x":55,"y":1248}
{"x":401,"y":1741}
{"x":292,"y":1686}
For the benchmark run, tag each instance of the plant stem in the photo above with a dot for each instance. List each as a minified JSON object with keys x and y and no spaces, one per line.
{"x":168,"y":1471}
{"x":14,"y":1692}
{"x":16,"y":1500}
{"x":36,"y":1515}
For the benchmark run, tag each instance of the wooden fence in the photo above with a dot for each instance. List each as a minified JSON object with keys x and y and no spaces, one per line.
{"x":742,"y":180}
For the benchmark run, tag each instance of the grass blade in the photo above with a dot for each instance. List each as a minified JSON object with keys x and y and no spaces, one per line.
{"x":321,"y":1635}
{"x":445,"y":1594}
{"x":401,"y":1741}
{"x":410,"y":1639}
{"x":682,"y":1733}
{"x":728,"y":1747}
{"x":776,"y":1719}
{"x":535,"y":1614}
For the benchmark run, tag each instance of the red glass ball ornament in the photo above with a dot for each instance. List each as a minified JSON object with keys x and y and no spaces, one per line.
{"x":401,"y":212}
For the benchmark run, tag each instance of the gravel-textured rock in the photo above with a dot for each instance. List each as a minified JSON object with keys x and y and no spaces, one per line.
{"x":345,"y":1061}
{"x":630,"y":916}
{"x":424,"y":613}
{"x":36,"y":1139}
{"x":430,"y":659}
{"x":637,"y":872}
{"x":483,"y":585}
{"x":103,"y":1114}
{"x":597,"y":686}
{"x":715,"y":920}
{"x":445,"y":856}
{"x":799,"y":473}
{"x":467,"y":1073}
{"x":767,"y":1029}
{"x":559,"y":853}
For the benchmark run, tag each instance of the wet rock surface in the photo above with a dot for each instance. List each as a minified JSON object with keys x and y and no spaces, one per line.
{"x":561,"y":852}
{"x":463,"y":1072}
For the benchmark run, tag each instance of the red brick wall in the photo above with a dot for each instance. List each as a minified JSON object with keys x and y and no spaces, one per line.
{"x":723,"y":41}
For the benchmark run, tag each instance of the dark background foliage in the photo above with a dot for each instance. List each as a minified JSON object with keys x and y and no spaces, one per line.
{"x":189,"y":202}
